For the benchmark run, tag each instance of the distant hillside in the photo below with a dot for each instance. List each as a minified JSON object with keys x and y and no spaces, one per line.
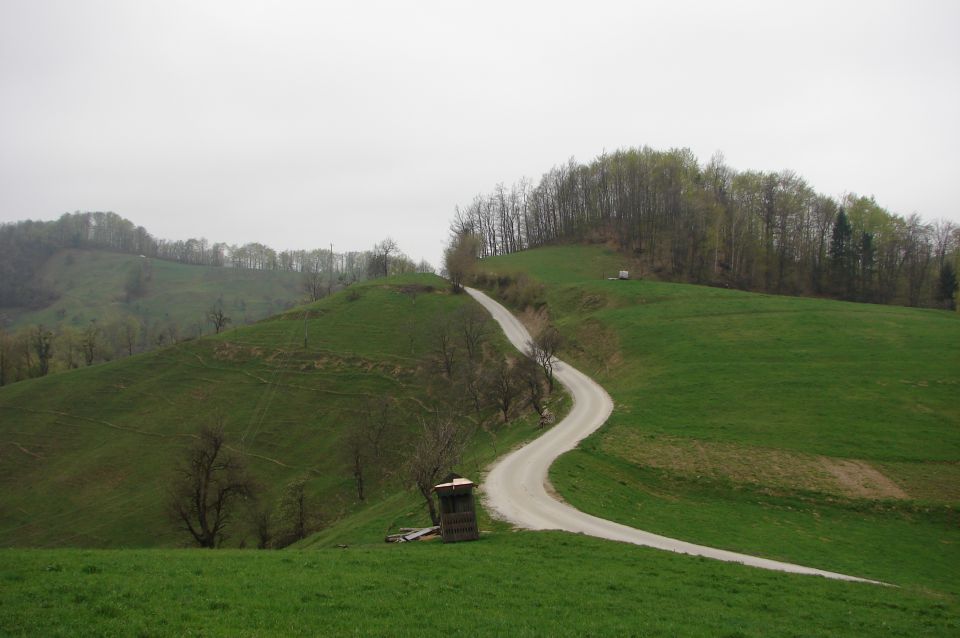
{"x":85,"y":456}
{"x":91,"y":285}
{"x":25,"y":247}
{"x":99,"y":306}
{"x":808,"y":430}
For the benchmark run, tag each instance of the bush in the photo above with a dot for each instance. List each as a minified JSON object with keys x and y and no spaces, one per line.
{"x":517,"y":289}
{"x":521,"y":292}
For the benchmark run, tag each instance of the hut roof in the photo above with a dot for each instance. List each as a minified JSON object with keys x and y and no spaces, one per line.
{"x":456,"y":485}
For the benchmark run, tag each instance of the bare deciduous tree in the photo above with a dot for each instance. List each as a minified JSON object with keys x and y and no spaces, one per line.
{"x":470,"y":381}
{"x":6,"y":358}
{"x":474,"y":323}
{"x":445,"y":344}
{"x":543,"y":349}
{"x":130,"y":333}
{"x":42,"y":341}
{"x":365,"y":441}
{"x":218,"y":318}
{"x":263,"y":526}
{"x":314,"y":283}
{"x":438,"y":448}
{"x":295,"y":513}
{"x":379,"y":264}
{"x":90,"y":343}
{"x":502,"y":385}
{"x":460,"y":258}
{"x":532,"y":376}
{"x":207,"y":486}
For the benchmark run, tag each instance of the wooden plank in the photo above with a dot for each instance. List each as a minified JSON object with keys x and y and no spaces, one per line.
{"x":412,"y":536}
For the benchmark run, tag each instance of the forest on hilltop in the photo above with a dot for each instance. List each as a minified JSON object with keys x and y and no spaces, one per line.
{"x":760,"y":231}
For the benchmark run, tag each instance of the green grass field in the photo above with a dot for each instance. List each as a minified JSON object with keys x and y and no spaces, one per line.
{"x":90,"y":285}
{"x":516,"y":584}
{"x":85,"y":455}
{"x":813,"y":431}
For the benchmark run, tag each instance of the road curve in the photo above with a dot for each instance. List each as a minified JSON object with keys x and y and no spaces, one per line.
{"x":515,"y":488}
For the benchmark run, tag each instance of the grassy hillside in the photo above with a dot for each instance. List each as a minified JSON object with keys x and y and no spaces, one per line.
{"x":83,"y":452}
{"x":85,"y":455}
{"x":815,"y":431}
{"x":525,"y":584}
{"x":91,"y":285}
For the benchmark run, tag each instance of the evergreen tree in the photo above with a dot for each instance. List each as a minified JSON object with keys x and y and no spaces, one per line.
{"x":867,"y":258}
{"x":841,"y":254}
{"x":947,"y":288}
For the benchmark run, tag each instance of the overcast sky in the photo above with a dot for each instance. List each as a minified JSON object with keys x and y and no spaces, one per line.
{"x":298,"y":124}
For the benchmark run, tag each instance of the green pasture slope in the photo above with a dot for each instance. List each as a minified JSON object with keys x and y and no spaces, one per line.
{"x":90,"y":285}
{"x":506,"y":584}
{"x":820,"y":432}
{"x":85,"y":455}
{"x":81,"y":453}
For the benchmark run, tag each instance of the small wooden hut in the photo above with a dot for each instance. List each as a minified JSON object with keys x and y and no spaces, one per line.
{"x":458,"y":513}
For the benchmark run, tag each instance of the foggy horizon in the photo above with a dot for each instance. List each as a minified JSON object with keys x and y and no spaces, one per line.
{"x":298,"y":126}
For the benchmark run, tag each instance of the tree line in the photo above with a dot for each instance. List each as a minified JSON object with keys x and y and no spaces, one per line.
{"x":711,"y":224}
{"x":39,"y":350}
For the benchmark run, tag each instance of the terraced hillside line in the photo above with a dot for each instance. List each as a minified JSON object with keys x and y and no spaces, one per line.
{"x":516,"y":488}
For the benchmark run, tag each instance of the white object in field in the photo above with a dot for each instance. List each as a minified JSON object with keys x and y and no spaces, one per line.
{"x":624,"y":274}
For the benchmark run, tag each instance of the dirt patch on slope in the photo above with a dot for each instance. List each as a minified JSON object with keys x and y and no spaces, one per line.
{"x":852,"y":478}
{"x":534,"y":320}
{"x":229,"y":351}
{"x":861,"y":478}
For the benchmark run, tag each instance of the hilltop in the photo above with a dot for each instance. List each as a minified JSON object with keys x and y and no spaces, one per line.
{"x":684,"y":221}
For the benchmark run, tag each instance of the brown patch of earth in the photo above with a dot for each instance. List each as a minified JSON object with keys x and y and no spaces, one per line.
{"x":933,"y":481}
{"x":862,"y":479}
{"x":851,"y":478}
{"x":227,"y":351}
{"x":534,"y":320}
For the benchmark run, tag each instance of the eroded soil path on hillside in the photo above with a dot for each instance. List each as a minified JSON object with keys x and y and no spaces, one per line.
{"x":516,"y":488}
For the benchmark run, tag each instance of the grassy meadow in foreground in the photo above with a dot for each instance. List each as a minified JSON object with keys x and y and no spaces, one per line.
{"x":808,"y":430}
{"x":518,"y":584}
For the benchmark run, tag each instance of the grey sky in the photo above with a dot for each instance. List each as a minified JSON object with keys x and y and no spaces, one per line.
{"x":300,"y":124}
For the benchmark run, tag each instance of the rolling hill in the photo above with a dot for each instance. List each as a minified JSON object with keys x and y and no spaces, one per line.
{"x":806,"y":430}
{"x":85,"y":455}
{"x":82,"y":453}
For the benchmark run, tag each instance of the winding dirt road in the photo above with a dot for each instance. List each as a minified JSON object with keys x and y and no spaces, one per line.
{"x":516,"y":486}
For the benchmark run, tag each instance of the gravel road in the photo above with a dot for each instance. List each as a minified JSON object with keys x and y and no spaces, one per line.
{"x":516,"y":487}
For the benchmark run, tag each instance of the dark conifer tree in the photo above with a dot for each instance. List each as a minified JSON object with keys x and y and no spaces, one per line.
{"x":841,"y":254}
{"x":947,"y":287}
